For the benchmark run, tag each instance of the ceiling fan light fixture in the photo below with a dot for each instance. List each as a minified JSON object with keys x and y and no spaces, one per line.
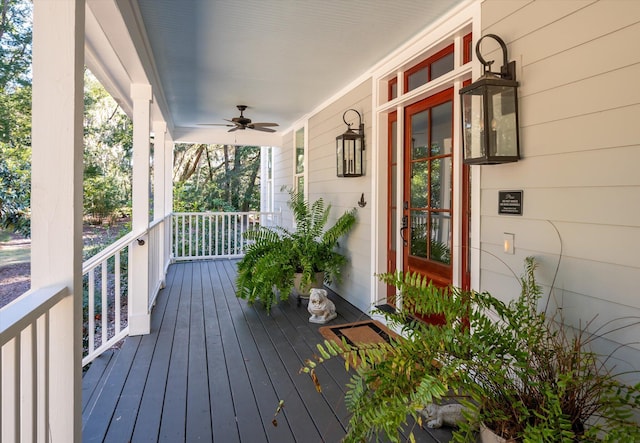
{"x":243,"y":122}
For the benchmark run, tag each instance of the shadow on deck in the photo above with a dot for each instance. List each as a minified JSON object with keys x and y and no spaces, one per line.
{"x":214,"y":368}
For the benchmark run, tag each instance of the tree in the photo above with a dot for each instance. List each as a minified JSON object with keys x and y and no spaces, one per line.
{"x":15,"y":115}
{"x":108,"y":150}
{"x":216,"y":177}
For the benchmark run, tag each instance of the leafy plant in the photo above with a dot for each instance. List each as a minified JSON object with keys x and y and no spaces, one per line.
{"x":276,"y":254}
{"x":524,"y":375}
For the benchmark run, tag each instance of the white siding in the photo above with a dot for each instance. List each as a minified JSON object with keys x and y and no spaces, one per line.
{"x":580,"y":139}
{"x":344,"y":193}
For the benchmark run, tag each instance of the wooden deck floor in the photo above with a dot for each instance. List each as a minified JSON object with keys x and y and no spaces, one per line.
{"x":214,"y":368}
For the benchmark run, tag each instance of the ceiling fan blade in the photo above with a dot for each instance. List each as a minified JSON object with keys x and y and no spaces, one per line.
{"x":213,"y":124}
{"x":260,"y":128}
{"x":264,"y":124}
{"x":234,"y":129}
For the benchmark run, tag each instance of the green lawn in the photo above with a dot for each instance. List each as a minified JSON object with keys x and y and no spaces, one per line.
{"x":11,"y":253}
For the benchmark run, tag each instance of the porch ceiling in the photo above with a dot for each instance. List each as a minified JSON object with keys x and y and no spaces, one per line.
{"x":282,"y":58}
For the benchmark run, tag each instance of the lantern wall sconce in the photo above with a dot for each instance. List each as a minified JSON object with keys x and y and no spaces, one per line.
{"x":490,"y":113}
{"x":350,"y":148}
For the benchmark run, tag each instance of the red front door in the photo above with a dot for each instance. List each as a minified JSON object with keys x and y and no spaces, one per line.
{"x":428,"y":188}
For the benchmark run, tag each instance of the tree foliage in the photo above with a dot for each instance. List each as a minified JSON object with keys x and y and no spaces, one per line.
{"x":108,"y":140}
{"x":207,"y":177}
{"x":216,"y":178}
{"x":15,"y":114}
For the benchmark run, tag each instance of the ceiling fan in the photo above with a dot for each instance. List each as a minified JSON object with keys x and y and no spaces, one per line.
{"x":243,"y":122}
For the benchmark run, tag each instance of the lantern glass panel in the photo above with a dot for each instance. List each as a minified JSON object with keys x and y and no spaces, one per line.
{"x":473,"y":121}
{"x":357,"y":156}
{"x":340,"y":156}
{"x":349,"y":149}
{"x":503,"y":121}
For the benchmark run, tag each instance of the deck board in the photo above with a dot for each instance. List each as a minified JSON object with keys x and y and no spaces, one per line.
{"x":214,"y":368}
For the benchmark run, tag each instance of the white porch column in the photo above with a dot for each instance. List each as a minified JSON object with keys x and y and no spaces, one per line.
{"x":159,"y":189}
{"x":139,"y":314}
{"x":56,"y":202}
{"x":159,"y":158}
{"x":168,"y":194}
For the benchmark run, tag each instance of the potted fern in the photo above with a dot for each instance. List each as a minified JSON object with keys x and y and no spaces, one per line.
{"x":276,"y":255}
{"x":517,"y":371}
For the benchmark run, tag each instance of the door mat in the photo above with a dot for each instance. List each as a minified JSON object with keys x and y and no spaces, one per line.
{"x":367,"y":331}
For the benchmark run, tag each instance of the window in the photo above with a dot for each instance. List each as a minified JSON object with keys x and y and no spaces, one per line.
{"x":393,"y":88}
{"x":467,"y":48}
{"x":299,"y":150}
{"x":267,"y":190}
{"x":429,"y":69}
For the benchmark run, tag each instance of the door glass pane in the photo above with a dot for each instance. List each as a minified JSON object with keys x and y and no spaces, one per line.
{"x":440,"y":185}
{"x":394,"y":186}
{"x":394,"y":142}
{"x":418,"y":240}
{"x":441,"y":129}
{"x":419,"y":135}
{"x":440,"y":247}
{"x":394,"y":229}
{"x":419,"y":177}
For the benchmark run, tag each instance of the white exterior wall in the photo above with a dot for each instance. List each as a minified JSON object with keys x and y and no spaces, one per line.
{"x":343,"y":193}
{"x":578,"y":67}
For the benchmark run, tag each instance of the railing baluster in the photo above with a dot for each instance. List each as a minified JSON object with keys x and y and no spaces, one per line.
{"x":10,"y":399}
{"x":116,"y":294}
{"x":32,"y":384}
{"x":197,"y":239}
{"x":183,"y":236}
{"x":43,"y":381}
{"x":228,"y":250}
{"x":210,"y":235}
{"x":104,"y":305}
{"x":91,"y":311}
{"x":217,"y":232}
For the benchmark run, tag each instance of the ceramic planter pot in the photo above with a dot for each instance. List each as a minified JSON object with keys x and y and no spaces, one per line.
{"x":303,"y":292}
{"x":488,"y":436}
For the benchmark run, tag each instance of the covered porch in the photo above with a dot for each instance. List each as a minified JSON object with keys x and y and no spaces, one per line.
{"x":214,"y":368}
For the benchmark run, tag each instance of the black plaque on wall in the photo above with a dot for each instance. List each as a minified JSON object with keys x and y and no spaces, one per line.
{"x":510,"y":202}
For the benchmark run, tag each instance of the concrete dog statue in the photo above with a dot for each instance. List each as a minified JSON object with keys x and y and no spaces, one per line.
{"x":322,"y":309}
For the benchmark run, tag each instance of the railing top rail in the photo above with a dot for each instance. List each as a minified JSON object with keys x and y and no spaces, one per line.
{"x":156,"y":222}
{"x":110,"y":250}
{"x":227,"y":213}
{"x":25,"y":309}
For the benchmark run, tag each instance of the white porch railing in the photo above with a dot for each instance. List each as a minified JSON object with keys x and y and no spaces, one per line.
{"x":25,"y":347}
{"x":25,"y":352}
{"x":105,"y":281}
{"x":207,"y":235}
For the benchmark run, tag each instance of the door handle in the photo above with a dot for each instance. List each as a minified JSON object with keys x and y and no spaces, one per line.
{"x":405,"y":225}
